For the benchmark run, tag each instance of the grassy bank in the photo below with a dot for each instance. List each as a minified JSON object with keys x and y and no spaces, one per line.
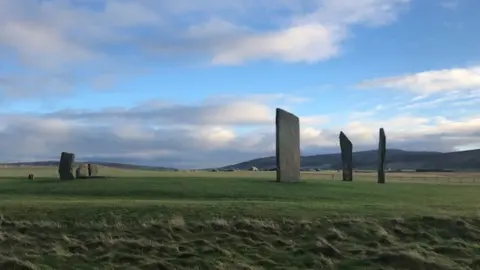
{"x":236,"y":223}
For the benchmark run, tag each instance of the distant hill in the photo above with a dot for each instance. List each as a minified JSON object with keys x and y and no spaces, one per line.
{"x":367,"y":160}
{"x":107,"y":164}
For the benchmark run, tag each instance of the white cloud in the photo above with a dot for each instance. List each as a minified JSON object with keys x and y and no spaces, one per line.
{"x":278,"y":98}
{"x":215,"y":27}
{"x":239,"y":112}
{"x":314,"y":120}
{"x":91,"y":37}
{"x":305,"y":43}
{"x":429,"y":82}
{"x":450,"y":91}
{"x":309,"y":38}
{"x":444,"y":99}
{"x":54,"y":46}
{"x":48,"y":44}
{"x":213,"y":137}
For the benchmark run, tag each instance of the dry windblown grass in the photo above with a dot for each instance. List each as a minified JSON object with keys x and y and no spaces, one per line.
{"x":175,"y":243}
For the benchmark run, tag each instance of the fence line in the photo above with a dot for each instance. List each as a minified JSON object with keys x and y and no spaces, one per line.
{"x":432,"y":179}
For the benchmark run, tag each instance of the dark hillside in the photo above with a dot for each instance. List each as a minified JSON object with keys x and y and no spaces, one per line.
{"x":107,"y":164}
{"x":367,"y":160}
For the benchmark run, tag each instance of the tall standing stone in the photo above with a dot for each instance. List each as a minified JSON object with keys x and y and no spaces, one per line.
{"x":346,"y":148}
{"x":287,"y":146}
{"x":92,"y":170}
{"x":65,"y":167}
{"x":382,"y":149}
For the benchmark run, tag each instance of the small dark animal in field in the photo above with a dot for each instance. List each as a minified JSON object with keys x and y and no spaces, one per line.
{"x":31,"y":176}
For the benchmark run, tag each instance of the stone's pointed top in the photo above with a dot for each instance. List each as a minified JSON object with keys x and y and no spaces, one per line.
{"x":381,"y":156}
{"x":343,"y":137}
{"x":381,"y":134}
{"x":346,"y":154}
{"x":280,"y":113}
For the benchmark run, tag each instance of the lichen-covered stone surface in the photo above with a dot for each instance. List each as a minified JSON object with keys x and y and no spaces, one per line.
{"x":92,"y":170}
{"x":81,"y":171}
{"x":287,"y":146}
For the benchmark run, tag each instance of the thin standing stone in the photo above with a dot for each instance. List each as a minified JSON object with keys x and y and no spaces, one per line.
{"x":346,"y":148}
{"x":382,"y":149}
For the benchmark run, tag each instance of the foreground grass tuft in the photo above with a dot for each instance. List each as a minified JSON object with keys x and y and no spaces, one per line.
{"x":175,"y":243}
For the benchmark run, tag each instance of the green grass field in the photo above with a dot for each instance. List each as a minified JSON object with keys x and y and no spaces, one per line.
{"x":190,"y":220}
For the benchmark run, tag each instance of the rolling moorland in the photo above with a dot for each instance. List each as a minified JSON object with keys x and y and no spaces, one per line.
{"x":395,"y":159}
{"x":102,"y":163}
{"x":363,"y":160}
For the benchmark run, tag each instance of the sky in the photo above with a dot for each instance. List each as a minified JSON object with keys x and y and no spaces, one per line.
{"x":194,"y":84}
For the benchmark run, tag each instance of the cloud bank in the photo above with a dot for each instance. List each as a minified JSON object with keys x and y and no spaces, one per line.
{"x":209,"y":134}
{"x":430,"y":82}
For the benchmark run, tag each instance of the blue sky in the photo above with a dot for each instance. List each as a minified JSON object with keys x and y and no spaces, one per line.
{"x":174,"y":82}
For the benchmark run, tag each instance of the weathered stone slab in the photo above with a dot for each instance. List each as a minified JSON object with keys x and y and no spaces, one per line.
{"x":382,"y":149}
{"x":346,"y":148}
{"x":65,"y":166}
{"x":287,"y":146}
{"x":82,"y":171}
{"x":92,"y":170}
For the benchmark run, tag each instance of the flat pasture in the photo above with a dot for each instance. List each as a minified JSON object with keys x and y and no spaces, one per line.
{"x":236,"y":220}
{"x":415,"y":177}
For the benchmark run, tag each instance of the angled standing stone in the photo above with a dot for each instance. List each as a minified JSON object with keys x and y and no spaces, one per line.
{"x":382,"y":149}
{"x":65,"y":167}
{"x":287,"y":146}
{"x":347,"y":159}
{"x":92,"y":170}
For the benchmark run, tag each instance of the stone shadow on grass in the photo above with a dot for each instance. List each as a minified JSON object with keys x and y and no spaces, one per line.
{"x":92,"y":177}
{"x":44,"y":180}
{"x":287,"y":183}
